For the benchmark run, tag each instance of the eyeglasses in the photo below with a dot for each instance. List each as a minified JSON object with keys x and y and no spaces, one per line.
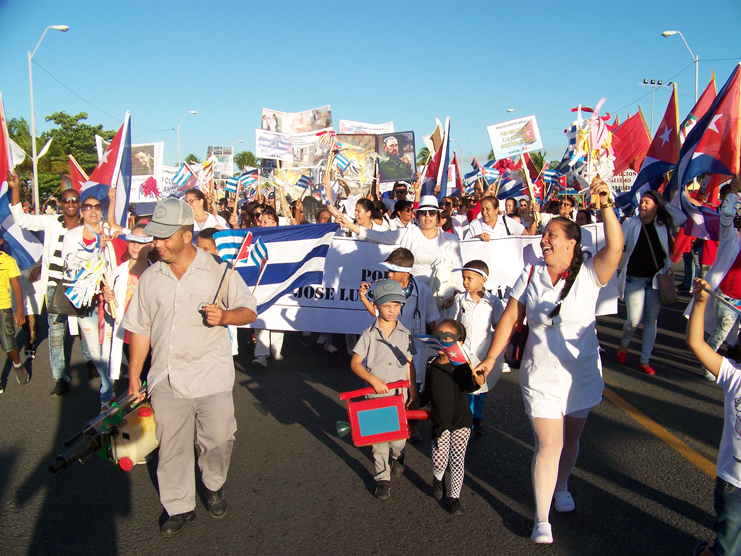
{"x":191,"y":201}
{"x":408,"y":209}
{"x":88,"y":206}
{"x":426,"y":213}
{"x":70,"y":200}
{"x":567,"y":205}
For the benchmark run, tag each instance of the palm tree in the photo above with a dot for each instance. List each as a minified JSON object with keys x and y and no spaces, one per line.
{"x":538,"y":160}
{"x":243,"y":159}
{"x":54,"y":160}
{"x":422,"y":156}
{"x":192,"y":159}
{"x":491,"y":156}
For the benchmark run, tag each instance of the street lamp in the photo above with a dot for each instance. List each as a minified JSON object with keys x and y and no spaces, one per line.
{"x":181,"y":123}
{"x":654,"y":84}
{"x":63,"y":29}
{"x":514,"y":110}
{"x":695,"y":59}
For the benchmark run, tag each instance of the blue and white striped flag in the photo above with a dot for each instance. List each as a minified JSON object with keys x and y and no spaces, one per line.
{"x":249,"y":177}
{"x":259,"y":253}
{"x":182,"y":176}
{"x":298,"y":254}
{"x":231,"y":185}
{"x":304,"y":181}
{"x":341,"y":162}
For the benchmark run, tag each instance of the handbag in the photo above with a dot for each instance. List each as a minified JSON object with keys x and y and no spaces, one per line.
{"x":516,"y":345}
{"x":61,"y":305}
{"x":667,"y":285}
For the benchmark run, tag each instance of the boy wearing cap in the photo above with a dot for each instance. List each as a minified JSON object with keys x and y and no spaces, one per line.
{"x":384,"y":354}
{"x":478,"y":311}
{"x":192,"y":374}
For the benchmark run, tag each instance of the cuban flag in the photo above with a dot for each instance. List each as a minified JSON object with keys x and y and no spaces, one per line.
{"x":259,"y":253}
{"x":341,"y":162}
{"x":454,"y":351}
{"x":712,"y":146}
{"x":298,"y":254}
{"x":22,"y":245}
{"x":304,"y":181}
{"x":470,"y":178}
{"x":249,"y":177}
{"x":702,"y":221}
{"x":114,"y":170}
{"x":182,"y":176}
{"x":77,"y":175}
{"x":231,"y":185}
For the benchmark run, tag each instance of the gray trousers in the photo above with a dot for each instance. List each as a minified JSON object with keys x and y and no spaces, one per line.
{"x":381,"y":457}
{"x":210,"y":420}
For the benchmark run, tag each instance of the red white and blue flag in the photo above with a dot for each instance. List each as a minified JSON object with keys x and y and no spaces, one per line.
{"x":453,"y":350}
{"x":114,"y":170}
{"x":77,"y":175}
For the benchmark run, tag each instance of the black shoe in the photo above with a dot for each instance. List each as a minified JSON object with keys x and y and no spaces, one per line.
{"x":437,"y":489}
{"x":397,"y":467}
{"x":383,"y":490}
{"x":455,"y":507}
{"x":175,"y":523}
{"x":216,"y":503}
{"x":21,"y":375}
{"x":478,"y":427}
{"x":61,"y":388}
{"x":92,"y":372}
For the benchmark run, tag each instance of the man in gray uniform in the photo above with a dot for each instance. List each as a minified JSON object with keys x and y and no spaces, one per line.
{"x":192,"y":374}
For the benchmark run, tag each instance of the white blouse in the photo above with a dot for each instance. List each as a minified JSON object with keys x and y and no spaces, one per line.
{"x":478,"y":227}
{"x":561,"y":364}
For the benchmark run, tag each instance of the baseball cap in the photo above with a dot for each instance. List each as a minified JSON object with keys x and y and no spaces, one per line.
{"x":385,"y":291}
{"x":169,"y":215}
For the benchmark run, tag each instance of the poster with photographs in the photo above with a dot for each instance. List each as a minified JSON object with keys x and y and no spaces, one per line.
{"x":296,"y":122}
{"x":360,"y":151}
{"x":396,"y":156}
{"x":224,"y":168}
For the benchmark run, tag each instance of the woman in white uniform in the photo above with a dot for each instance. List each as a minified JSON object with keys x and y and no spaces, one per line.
{"x":561,"y":374}
{"x":202,"y":219}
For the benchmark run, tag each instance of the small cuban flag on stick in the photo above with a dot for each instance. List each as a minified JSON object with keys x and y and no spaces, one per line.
{"x":454,"y":351}
{"x":242,"y":255}
{"x":259,"y":256}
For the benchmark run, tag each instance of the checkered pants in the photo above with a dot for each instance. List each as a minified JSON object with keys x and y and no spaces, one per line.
{"x":450,"y":451}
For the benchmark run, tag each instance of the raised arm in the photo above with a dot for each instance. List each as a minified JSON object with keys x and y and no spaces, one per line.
{"x":607,"y":259}
{"x":696,"y":329}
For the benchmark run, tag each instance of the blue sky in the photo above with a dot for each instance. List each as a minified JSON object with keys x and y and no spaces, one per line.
{"x":409,"y":62}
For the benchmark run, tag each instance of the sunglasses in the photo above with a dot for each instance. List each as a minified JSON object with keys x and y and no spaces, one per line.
{"x":426,"y":213}
{"x":88,"y":206}
{"x":70,"y":200}
{"x":408,"y":209}
{"x":447,"y":204}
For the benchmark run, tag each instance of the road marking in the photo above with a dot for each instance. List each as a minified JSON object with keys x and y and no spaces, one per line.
{"x":662,"y":434}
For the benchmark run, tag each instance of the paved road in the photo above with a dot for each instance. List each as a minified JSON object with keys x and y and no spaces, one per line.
{"x":296,"y":488}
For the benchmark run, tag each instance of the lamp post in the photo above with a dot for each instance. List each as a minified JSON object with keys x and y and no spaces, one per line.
{"x":63,"y":29}
{"x":695,"y":59}
{"x":181,"y":123}
{"x":514,"y":110}
{"x":654,"y":84}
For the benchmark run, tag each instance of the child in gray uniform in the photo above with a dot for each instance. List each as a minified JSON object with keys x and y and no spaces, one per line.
{"x":384,"y":354}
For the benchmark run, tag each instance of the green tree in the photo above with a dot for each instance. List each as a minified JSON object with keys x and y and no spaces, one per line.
{"x":243,"y":159}
{"x":77,"y":138}
{"x":53,"y":161}
{"x":422,"y":156}
{"x":192,"y":159}
{"x":553,"y":164}
{"x":491,"y":156}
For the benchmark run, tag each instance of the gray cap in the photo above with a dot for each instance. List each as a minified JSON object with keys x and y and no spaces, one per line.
{"x":169,"y":215}
{"x":388,"y":290}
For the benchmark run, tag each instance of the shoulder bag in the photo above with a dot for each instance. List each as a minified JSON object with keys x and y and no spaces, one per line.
{"x":667,"y":286}
{"x":516,"y":346}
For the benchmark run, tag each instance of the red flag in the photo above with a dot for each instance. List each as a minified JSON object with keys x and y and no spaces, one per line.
{"x":458,"y":179}
{"x":531,"y":169}
{"x":630,"y":141}
{"x":103,"y":173}
{"x":244,"y":250}
{"x":698,"y":111}
{"x":5,"y":156}
{"x":76,"y":174}
{"x":665,"y":145}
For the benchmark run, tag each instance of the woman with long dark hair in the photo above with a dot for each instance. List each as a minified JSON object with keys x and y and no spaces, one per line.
{"x":561,"y":374}
{"x":648,"y":246}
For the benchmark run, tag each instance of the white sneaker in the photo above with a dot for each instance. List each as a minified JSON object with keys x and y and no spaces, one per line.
{"x":564,"y":502}
{"x":261,"y":360}
{"x":330,"y":349}
{"x":320,"y":340}
{"x":542,"y":533}
{"x":709,"y":376}
{"x":277,"y":357}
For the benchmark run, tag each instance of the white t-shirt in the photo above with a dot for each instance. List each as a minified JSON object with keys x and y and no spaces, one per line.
{"x":212,"y":221}
{"x":729,"y":455}
{"x":561,"y":364}
{"x":478,"y":227}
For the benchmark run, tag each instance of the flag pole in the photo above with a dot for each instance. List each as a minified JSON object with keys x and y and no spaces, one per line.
{"x":226,"y":283}
{"x":259,"y":277}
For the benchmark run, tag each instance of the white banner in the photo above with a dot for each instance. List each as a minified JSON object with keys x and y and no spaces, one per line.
{"x":334,"y":306}
{"x":347,"y":126}
{"x":515,"y":137}
{"x":271,"y":144}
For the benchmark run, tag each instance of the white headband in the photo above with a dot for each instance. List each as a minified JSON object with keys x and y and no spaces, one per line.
{"x":396,"y":268}
{"x":484,"y":274}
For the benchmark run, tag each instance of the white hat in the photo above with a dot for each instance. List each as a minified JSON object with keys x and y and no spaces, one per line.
{"x":428,"y":202}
